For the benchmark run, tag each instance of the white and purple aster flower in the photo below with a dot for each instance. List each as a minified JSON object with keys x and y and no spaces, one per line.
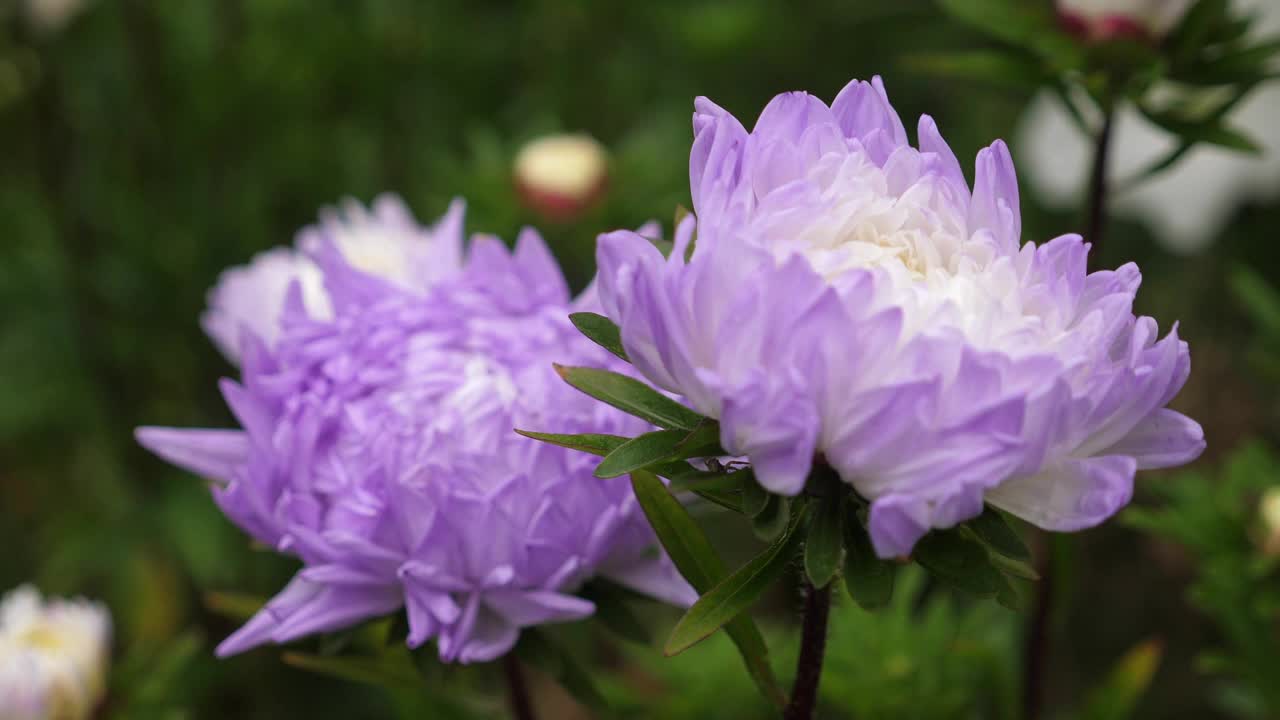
{"x":378,"y":445}
{"x":54,"y":656}
{"x":850,"y":299}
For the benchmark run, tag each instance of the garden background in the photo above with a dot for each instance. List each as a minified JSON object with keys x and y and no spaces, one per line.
{"x":145,"y":145}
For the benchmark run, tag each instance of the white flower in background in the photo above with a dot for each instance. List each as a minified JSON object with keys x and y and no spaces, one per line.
{"x":53,"y":656}
{"x":1105,"y":19}
{"x":560,"y":175}
{"x":50,"y":16}
{"x":1187,"y":205}
{"x":384,"y":241}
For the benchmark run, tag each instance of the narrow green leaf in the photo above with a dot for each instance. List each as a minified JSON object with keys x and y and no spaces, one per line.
{"x":868,"y":579}
{"x":698,"y":562}
{"x":755,"y":499}
{"x":600,"y":330}
{"x":1010,"y":566}
{"x":1012,"y":593}
{"x":772,"y":522}
{"x":733,"y":596}
{"x":703,"y":442}
{"x":631,"y":396}
{"x":696,"y":479}
{"x":1200,"y":129}
{"x":993,"y":530}
{"x":380,"y":671}
{"x":1260,"y":300}
{"x":958,"y":561}
{"x":538,"y":650}
{"x":1188,"y":37}
{"x":587,"y":442}
{"x":1118,"y":696}
{"x":1017,"y":22}
{"x":824,"y":543}
{"x":640,"y":452}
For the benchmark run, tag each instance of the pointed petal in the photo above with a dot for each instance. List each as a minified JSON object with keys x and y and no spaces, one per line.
{"x":212,"y":454}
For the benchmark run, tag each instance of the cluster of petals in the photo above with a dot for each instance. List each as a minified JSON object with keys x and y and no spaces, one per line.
{"x":53,"y":656}
{"x":840,"y":296}
{"x":377,"y":408}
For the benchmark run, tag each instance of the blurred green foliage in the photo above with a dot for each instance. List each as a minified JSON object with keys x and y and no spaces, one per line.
{"x":149,"y":144}
{"x":1220,"y":522}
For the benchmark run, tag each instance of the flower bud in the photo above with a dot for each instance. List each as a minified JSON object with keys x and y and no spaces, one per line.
{"x":1104,"y":20}
{"x":559,"y":176}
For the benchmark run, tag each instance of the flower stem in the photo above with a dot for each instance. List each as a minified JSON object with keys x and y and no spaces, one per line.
{"x":1097,"y":200}
{"x":1036,"y":645}
{"x":517,"y":690}
{"x":813,"y":645}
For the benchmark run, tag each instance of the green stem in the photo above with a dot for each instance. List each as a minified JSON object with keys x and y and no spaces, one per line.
{"x":1098,"y":190}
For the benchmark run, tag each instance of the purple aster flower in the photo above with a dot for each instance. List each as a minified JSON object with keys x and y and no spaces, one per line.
{"x":850,"y":297}
{"x":378,"y":446}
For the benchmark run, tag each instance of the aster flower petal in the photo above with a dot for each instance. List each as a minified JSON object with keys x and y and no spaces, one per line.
{"x":1070,"y":495}
{"x":215,"y":454}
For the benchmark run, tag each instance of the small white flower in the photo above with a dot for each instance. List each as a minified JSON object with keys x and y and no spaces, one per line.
{"x":50,"y":16}
{"x":53,"y":656}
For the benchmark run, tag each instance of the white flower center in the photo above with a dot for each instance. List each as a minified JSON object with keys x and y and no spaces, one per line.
{"x":915,"y":237}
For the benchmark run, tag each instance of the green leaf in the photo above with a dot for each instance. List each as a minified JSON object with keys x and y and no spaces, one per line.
{"x":1118,"y":696}
{"x":868,"y":579}
{"x":824,"y":543}
{"x":640,"y":452}
{"x":600,"y":330}
{"x":1014,"y":567}
{"x":959,"y":562}
{"x":733,"y":596}
{"x":993,"y":530}
{"x":391,"y":670}
{"x":703,"y":442}
{"x":586,"y":442}
{"x":631,"y":396}
{"x":695,"y":479}
{"x":537,"y":650}
{"x":727,"y":499}
{"x":772,"y":522}
{"x":754,"y":499}
{"x":698,"y":562}
{"x":1262,"y":301}
{"x":1020,"y":23}
{"x":1200,"y":129}
{"x":1197,"y":25}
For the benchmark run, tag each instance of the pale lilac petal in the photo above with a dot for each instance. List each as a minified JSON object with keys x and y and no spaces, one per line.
{"x":1072,"y":495}
{"x":1165,"y":439}
{"x":212,"y":454}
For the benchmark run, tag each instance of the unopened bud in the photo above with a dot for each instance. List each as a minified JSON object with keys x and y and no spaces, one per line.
{"x":559,"y":176}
